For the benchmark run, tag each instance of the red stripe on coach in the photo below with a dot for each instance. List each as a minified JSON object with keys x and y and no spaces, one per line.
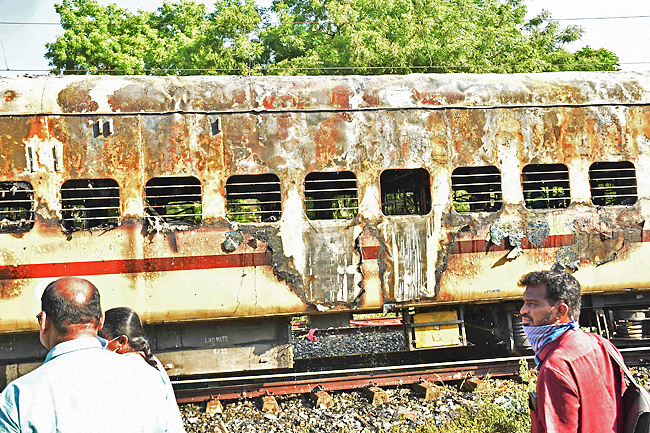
{"x":132,"y":266}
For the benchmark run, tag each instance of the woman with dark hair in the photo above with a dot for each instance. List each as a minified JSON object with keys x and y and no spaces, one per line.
{"x":124,"y":334}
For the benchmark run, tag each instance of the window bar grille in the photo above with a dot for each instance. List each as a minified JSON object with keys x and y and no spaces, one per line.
{"x":546,"y":186}
{"x":476,"y":189}
{"x":16,"y":206}
{"x":613,"y":183}
{"x":331,"y":195}
{"x":90,"y":204}
{"x":174,"y":200}
{"x":253,"y":198}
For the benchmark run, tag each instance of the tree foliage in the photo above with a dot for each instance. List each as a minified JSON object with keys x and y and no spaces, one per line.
{"x":318,"y":37}
{"x":179,"y":38}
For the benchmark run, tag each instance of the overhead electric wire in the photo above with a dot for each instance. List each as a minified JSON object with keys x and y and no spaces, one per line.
{"x":269,"y":71}
{"x":27,"y":23}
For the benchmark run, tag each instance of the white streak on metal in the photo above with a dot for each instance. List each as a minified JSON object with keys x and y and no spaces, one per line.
{"x":432,"y":239}
{"x":579,"y":181}
{"x":42,"y":157}
{"x":642,"y":165}
{"x":529,"y":127}
{"x":399,"y":96}
{"x":356,"y":100}
{"x":192,"y":131}
{"x":396,"y":260}
{"x":369,"y":206}
{"x":506,"y":142}
{"x":344,"y":291}
{"x":292,"y":228}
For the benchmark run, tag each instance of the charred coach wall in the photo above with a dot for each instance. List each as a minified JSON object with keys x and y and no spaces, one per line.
{"x":454,"y":186}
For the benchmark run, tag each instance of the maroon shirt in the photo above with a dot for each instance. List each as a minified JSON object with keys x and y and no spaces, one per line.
{"x":579,"y":388}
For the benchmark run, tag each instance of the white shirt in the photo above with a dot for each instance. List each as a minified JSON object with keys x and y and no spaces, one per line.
{"x":82,"y":388}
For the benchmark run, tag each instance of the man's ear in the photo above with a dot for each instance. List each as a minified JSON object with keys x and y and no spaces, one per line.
{"x":563,"y":311}
{"x":45,"y":321}
{"x":101,"y":320}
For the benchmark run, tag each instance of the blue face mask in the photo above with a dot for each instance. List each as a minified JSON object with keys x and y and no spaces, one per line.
{"x":540,"y":336}
{"x":104,"y":342}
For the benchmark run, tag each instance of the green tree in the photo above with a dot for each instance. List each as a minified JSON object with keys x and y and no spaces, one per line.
{"x":317,"y":37}
{"x":178,"y":39}
{"x":403,"y":36}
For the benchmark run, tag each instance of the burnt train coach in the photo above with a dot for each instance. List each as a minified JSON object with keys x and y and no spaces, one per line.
{"x":218,"y":207}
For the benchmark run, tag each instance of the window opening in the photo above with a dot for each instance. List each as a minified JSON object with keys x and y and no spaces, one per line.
{"x":331,"y":195}
{"x":405,"y":192}
{"x":90,"y":204}
{"x":175,"y":200}
{"x":546,"y":186}
{"x":16,"y":206}
{"x":476,"y":189}
{"x":612,"y":183}
{"x":253,"y":198}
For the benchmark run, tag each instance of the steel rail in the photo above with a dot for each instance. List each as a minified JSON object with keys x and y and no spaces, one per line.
{"x":337,"y":380}
{"x":231,"y":388}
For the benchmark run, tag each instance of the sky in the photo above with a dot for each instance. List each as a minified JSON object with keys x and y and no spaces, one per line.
{"x":22,"y":46}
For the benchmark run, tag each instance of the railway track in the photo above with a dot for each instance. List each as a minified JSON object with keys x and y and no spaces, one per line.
{"x":229,"y":388}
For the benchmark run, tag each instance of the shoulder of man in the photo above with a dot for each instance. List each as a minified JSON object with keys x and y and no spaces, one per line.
{"x":9,"y":409}
{"x":573,"y":344}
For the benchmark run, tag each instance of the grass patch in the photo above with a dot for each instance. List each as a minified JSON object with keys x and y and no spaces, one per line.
{"x":501,"y":407}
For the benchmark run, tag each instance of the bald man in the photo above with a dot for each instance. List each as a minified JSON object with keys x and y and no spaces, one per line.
{"x":81,"y":387}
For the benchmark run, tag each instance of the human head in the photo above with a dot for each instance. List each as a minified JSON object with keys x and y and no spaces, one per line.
{"x":123,"y":325}
{"x":550,"y":297}
{"x":70,"y":308}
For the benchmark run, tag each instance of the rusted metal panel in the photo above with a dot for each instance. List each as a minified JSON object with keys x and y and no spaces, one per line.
{"x":332,"y":264}
{"x":406,"y":240}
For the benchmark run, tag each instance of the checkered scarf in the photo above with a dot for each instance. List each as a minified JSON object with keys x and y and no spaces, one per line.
{"x":540,"y":336}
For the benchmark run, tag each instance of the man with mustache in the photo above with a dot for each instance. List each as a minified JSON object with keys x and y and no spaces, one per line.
{"x":579,"y":387}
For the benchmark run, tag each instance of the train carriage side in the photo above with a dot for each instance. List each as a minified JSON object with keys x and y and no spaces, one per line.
{"x":218,"y":207}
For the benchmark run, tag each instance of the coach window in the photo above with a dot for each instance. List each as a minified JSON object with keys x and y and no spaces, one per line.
{"x":16,"y":206}
{"x":546,"y":186}
{"x":331,"y":195}
{"x":90,"y":204}
{"x":476,"y":189}
{"x":253,"y":198}
{"x":405,"y":192}
{"x":174,"y":200}
{"x":612,"y":183}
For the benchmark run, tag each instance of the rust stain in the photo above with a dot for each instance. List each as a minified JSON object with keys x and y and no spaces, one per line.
{"x":10,"y":95}
{"x":467,"y":127}
{"x":37,"y":127}
{"x":10,"y":289}
{"x":638,"y":123}
{"x":438,"y":97}
{"x":14,"y":132}
{"x":371,"y":237}
{"x":340,"y":96}
{"x":327,"y":138}
{"x":140,"y":97}
{"x":75,"y":98}
{"x":221,"y":95}
{"x":276,"y":102}
{"x":371,"y":99}
{"x":285,"y":122}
